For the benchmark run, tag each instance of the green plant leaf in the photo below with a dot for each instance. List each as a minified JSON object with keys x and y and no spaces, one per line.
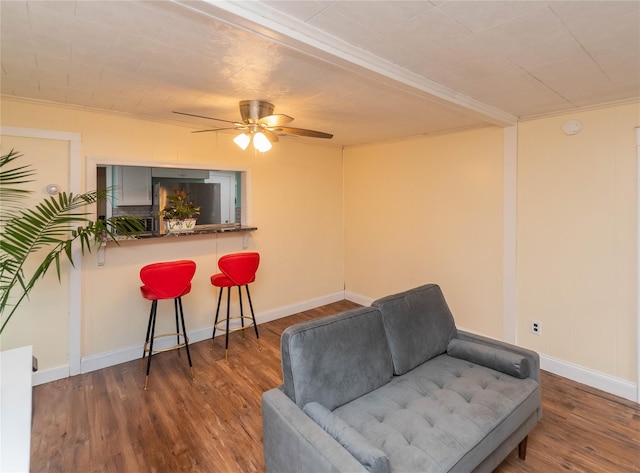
{"x":53,"y":224}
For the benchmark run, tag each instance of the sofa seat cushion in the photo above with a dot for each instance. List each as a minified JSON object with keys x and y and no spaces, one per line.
{"x":428,"y":419}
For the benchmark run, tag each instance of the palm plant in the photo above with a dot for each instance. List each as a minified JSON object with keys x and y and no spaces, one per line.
{"x":54,"y":224}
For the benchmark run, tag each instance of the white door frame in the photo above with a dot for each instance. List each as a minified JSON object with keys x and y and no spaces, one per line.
{"x":75,"y":295}
{"x":509,"y":236}
{"x":638,"y":263}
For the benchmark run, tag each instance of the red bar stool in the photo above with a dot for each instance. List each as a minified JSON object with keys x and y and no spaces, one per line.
{"x":238,"y":269}
{"x":167,"y":280}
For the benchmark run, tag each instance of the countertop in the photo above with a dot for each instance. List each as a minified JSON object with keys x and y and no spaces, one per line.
{"x":199,"y":230}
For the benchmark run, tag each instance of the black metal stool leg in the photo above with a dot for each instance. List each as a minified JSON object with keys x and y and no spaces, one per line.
{"x":154,"y":309}
{"x":241,"y":310}
{"x":186,"y":339}
{"x":146,"y":340}
{"x":255,"y":324}
{"x":215,"y":322}
{"x":226,"y":338}
{"x":175,"y":309}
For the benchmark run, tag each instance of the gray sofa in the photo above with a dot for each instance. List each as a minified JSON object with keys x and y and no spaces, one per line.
{"x":395,"y":387}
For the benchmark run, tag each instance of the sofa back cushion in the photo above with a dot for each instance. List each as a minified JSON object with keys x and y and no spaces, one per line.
{"x":418,"y":324}
{"x":335,"y":359}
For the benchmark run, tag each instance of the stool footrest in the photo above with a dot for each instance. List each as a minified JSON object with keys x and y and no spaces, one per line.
{"x":221,"y":325}
{"x":173,"y":347}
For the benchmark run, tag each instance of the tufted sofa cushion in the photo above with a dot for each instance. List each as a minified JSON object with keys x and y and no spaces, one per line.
{"x":431,"y":417}
{"x":373,"y":459}
{"x":418,"y":324}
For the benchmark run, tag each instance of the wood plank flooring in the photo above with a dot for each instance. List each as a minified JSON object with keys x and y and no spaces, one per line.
{"x":103,"y":421}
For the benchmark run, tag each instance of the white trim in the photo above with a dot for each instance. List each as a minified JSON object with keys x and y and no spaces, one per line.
{"x":604,"y":382}
{"x":123,"y":355}
{"x":75,"y":275}
{"x":39,"y":133}
{"x":580,"y":374}
{"x":265,"y":21}
{"x":121,"y":161}
{"x":291,"y":309}
{"x":618,"y":387}
{"x":358,"y":298}
{"x":246,"y":175}
{"x":509,"y":236}
{"x":115,"y":357}
{"x":75,"y":271}
{"x":52,"y":374}
{"x":638,"y":264}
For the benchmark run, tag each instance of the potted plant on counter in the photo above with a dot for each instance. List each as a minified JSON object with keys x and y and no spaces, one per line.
{"x":180,"y":213}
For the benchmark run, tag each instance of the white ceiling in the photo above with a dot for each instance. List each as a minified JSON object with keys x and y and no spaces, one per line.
{"x":366,"y":71}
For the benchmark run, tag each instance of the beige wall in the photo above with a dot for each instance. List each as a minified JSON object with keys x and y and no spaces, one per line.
{"x":296,"y":205}
{"x":417,"y":211}
{"x":577,"y":239}
{"x":429,"y":210}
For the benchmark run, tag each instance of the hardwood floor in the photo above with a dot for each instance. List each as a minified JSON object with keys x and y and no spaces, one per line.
{"x":103,"y":421}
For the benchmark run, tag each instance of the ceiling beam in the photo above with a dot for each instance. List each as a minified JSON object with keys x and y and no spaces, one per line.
{"x":260,"y":19}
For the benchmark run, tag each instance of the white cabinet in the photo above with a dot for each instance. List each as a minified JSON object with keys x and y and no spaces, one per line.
{"x":180,"y":173}
{"x":132,"y":185}
{"x":15,"y":409}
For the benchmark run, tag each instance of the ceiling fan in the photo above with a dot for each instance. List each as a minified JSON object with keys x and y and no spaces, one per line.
{"x":260,"y":125}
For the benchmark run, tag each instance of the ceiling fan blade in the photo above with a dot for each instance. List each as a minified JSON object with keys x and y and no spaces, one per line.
{"x":271,"y":136}
{"x":303,"y":132}
{"x":220,"y":129}
{"x":208,"y":118}
{"x":275,"y":120}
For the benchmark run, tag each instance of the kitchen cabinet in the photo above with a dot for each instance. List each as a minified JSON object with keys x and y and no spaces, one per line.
{"x":180,"y":173}
{"x":132,"y":185}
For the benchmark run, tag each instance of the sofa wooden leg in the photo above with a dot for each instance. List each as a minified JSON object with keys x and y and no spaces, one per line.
{"x":522,"y":448}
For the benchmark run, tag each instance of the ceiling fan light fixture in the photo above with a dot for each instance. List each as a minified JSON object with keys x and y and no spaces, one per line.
{"x":259,"y":125}
{"x":242,"y":140}
{"x":261,"y":142}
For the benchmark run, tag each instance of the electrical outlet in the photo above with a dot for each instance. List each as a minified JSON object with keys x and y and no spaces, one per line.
{"x":536,"y":327}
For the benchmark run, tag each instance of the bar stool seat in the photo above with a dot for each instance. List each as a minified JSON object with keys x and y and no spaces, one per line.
{"x":166,"y":280}
{"x":238,"y":269}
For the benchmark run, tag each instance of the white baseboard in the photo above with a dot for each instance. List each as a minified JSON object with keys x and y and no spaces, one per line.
{"x":604,"y":382}
{"x":619,"y":387}
{"x":358,"y":299}
{"x":580,"y":374}
{"x":291,"y":309}
{"x":52,"y":374}
{"x":115,"y":357}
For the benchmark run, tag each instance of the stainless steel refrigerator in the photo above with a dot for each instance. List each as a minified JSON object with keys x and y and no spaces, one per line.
{"x":204,"y":195}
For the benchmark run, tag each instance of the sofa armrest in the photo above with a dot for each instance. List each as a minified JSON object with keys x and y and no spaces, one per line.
{"x":294,"y":443}
{"x":532,"y":356}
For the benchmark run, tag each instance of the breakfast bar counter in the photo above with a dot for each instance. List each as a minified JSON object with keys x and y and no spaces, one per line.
{"x":198,"y":230}
{"x":213,"y":230}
